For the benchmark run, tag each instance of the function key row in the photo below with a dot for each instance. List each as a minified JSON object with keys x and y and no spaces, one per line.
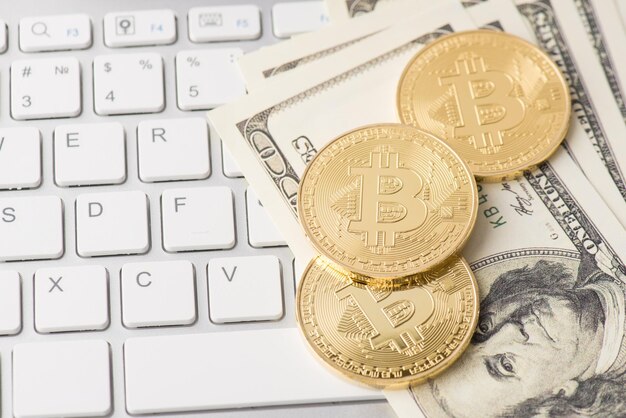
{"x":153,"y":294}
{"x":124,"y":83}
{"x":158,"y":27}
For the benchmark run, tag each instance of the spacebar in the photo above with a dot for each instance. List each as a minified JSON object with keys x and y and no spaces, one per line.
{"x":229,"y":370}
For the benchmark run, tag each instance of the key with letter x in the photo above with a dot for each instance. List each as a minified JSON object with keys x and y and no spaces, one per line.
{"x":71,"y":299}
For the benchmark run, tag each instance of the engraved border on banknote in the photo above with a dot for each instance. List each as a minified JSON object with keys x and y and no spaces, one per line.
{"x":256,"y":132}
{"x":547,"y":30}
{"x":566,"y":210}
{"x":524,"y":252}
{"x":594,"y":30}
{"x":271,"y":72}
{"x":355,"y":7}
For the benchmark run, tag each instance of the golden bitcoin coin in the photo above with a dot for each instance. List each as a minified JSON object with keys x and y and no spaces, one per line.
{"x":384,"y":335}
{"x":386,"y":201}
{"x":498,"y":100}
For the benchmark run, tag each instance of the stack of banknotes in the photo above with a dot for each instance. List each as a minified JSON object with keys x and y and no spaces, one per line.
{"x":549,"y":247}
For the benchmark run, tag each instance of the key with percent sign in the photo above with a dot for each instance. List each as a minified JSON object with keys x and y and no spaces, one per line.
{"x":208,"y":78}
{"x":128,"y":83}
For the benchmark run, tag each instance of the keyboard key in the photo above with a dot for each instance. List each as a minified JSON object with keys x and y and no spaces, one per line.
{"x":198,"y":219}
{"x":20,"y":158}
{"x":298,"y":271}
{"x":297,"y":17}
{"x":139,"y":27}
{"x":45,"y":88}
{"x":173,"y":149}
{"x":10,"y":303}
{"x":158,"y":294}
{"x":209,"y":78}
{"x":128,"y":83}
{"x":62,"y":379}
{"x":31,"y":228}
{"x":71,"y":299}
{"x":89,"y":154}
{"x":55,"y":33}
{"x":230,"y":166}
{"x":261,"y":229}
{"x":245,"y":289}
{"x":4,"y":42}
{"x":178,"y":373}
{"x":224,"y":23}
{"x":113,"y":223}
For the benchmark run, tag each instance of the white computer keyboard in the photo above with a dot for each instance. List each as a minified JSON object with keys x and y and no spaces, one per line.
{"x":138,"y":272}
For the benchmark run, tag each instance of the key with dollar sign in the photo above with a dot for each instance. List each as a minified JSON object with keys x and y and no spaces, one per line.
{"x":136,"y":85}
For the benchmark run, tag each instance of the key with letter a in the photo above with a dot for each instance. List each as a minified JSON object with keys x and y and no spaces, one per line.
{"x":45,"y":88}
{"x":112,"y":223}
{"x":128,"y":83}
{"x":31,"y":228}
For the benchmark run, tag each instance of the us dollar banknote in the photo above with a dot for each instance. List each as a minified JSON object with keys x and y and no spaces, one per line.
{"x":602,"y":23}
{"x":341,"y":10}
{"x":556,"y":28}
{"x":275,"y":132}
{"x":550,"y":341}
{"x":298,"y":52}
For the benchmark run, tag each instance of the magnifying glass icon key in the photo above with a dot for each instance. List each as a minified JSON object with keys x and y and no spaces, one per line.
{"x":40,"y":28}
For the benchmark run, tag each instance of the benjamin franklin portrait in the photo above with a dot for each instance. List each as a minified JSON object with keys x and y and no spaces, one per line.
{"x":549,"y":343}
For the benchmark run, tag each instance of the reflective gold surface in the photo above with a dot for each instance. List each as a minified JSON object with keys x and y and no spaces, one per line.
{"x":386,"y":201}
{"x":388,"y":338}
{"x":498,"y":100}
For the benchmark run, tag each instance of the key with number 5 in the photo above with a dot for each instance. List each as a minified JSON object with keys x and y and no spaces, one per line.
{"x":128,"y":83}
{"x":45,"y":88}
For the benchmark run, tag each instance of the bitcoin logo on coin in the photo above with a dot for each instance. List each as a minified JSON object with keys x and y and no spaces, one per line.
{"x":386,"y":201}
{"x":484,"y":103}
{"x":498,"y":100}
{"x":392,"y":315}
{"x":388,"y":336}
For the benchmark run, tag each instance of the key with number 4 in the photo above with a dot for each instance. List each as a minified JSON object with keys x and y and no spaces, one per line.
{"x":128,"y":83}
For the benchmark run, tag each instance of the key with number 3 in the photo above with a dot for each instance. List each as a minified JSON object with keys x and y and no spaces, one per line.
{"x":45,"y":88}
